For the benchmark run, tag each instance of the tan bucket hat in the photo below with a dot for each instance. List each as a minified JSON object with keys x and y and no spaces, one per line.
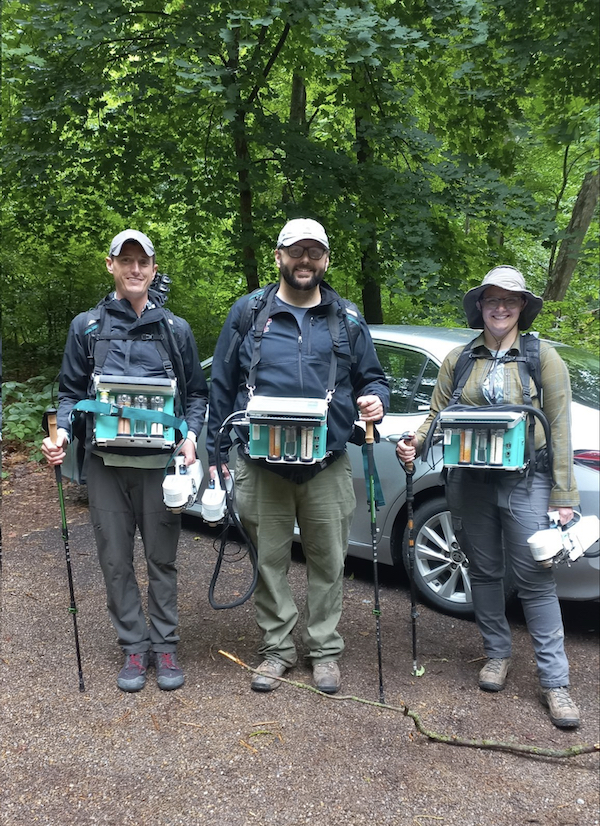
{"x":509,"y":278}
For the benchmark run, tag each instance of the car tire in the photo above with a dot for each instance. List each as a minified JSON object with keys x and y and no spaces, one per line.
{"x":441,"y":568}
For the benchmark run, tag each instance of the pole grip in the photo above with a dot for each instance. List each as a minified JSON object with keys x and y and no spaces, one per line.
{"x":370,"y":434}
{"x":409,"y":467}
{"x":52,"y":427}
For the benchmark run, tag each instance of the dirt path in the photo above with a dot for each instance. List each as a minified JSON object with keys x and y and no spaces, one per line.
{"x":216,"y":753}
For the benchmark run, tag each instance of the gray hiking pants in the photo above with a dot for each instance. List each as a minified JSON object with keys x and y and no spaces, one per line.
{"x":122,"y":498}
{"x":494,"y":513}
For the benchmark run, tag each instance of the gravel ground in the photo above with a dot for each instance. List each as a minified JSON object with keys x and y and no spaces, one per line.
{"x":216,"y":753}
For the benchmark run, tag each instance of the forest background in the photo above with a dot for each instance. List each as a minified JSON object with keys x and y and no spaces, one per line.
{"x":432,"y":138}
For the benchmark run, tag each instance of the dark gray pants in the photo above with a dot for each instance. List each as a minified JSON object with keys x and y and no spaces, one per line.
{"x":494,"y":512}
{"x":122,"y":498}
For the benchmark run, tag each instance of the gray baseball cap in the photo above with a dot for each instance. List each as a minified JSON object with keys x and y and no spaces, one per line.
{"x":509,"y":278}
{"x":130,"y":235}
{"x":300,"y":229}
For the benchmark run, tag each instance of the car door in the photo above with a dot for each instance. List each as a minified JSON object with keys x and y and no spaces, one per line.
{"x":411,"y":374}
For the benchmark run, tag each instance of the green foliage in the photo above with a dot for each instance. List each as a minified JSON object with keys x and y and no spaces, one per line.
{"x":23,"y":405}
{"x":435,"y":140}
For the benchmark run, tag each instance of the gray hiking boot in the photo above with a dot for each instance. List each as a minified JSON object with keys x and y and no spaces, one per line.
{"x":132,"y":677}
{"x":168,"y":673}
{"x":492,"y":676}
{"x":563,"y":711}
{"x":267,"y":679}
{"x":327,"y":677}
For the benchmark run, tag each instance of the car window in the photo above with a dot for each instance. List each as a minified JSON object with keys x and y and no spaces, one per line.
{"x":583,"y":371}
{"x":403,"y":369}
{"x":422,"y":399}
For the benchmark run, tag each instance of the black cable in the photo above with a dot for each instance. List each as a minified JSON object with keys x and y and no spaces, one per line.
{"x":233,"y":520}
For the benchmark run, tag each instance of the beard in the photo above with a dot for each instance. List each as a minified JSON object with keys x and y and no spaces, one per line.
{"x":305,"y":285}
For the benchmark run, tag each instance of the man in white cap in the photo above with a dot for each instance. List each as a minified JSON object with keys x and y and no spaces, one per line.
{"x":130,"y":334}
{"x":495,"y":511}
{"x":296,"y":358}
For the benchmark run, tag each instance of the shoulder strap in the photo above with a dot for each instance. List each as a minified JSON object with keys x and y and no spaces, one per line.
{"x":99,"y":338}
{"x":253,"y":303}
{"x":262,"y":316}
{"x":176,"y":366}
{"x":530,"y":345}
{"x":462,"y":371}
{"x":350,"y":315}
{"x":528,"y":364}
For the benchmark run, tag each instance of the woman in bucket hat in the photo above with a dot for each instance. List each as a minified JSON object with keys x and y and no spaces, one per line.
{"x":495,"y":511}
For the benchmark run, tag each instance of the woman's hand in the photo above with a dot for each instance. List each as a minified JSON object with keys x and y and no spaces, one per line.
{"x":406,"y":448}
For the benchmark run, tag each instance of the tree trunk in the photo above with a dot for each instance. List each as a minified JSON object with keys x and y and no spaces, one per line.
{"x":247,"y":237}
{"x":369,"y":259}
{"x":298,"y":102}
{"x":581,"y":218}
{"x":242,"y":156}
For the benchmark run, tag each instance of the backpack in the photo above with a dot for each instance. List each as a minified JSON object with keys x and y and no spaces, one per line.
{"x":529,"y":365}
{"x":99,"y":337}
{"x":257,"y":308}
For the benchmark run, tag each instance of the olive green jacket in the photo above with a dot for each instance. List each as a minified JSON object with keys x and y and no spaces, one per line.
{"x":556,"y":394}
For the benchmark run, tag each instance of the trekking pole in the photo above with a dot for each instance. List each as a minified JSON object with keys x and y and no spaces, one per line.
{"x":50,"y":418}
{"x":369,"y":439}
{"x":409,"y":470}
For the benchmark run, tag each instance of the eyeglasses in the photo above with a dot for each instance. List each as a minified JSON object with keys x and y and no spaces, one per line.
{"x":511,"y":303}
{"x":297,"y":251}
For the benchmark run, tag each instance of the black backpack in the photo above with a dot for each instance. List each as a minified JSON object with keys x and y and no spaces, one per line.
{"x":256,"y":310}
{"x":99,"y":337}
{"x":530,"y":366}
{"x":528,"y":363}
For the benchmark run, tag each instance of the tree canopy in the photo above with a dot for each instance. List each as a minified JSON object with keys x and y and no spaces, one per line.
{"x":433,"y":139}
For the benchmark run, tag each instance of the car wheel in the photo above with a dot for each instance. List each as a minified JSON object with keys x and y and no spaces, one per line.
{"x":441,"y":569}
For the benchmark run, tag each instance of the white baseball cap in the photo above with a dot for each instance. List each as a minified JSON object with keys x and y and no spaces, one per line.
{"x":300,"y":229}
{"x":130,"y":235}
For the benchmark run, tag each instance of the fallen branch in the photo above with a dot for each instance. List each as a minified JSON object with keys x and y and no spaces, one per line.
{"x":450,"y":739}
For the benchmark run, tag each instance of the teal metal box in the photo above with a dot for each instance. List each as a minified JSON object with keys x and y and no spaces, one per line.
{"x":287,"y":430}
{"x":134,"y":393}
{"x":483,"y":438}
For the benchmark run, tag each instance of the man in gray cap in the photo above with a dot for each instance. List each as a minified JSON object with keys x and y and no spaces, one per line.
{"x":495,"y":511}
{"x":297,"y":358}
{"x":130,"y":336}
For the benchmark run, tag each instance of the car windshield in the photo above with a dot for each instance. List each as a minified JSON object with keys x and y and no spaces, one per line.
{"x":584,"y":371}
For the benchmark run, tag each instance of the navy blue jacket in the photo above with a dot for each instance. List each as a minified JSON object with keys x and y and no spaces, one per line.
{"x":294,"y":363}
{"x":132,"y":357}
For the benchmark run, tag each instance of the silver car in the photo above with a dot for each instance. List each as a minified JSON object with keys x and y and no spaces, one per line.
{"x":411,"y":358}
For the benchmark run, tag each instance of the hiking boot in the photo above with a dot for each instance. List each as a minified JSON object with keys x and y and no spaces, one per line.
{"x":492,"y":676}
{"x":168,"y":673}
{"x":267,"y":679}
{"x":563,"y":711}
{"x":327,"y":677}
{"x":132,"y":677}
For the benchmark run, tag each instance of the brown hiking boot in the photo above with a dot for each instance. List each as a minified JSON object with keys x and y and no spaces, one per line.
{"x":267,"y":679}
{"x":327,"y":677}
{"x":492,"y":676}
{"x":563,"y":711}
